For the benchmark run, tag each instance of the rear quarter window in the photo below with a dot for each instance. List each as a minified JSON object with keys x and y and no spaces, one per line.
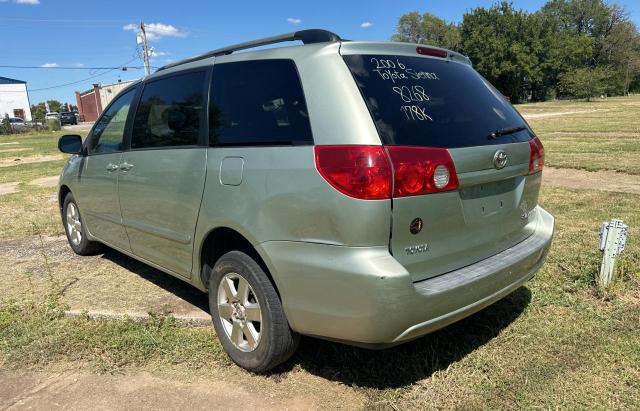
{"x":258,"y":102}
{"x":418,"y":101}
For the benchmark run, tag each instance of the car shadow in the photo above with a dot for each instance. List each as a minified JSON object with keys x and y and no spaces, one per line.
{"x":394,"y":367}
{"x":407,"y":363}
{"x":171,"y":284}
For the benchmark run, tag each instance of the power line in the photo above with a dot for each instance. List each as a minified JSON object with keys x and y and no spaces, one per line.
{"x":65,"y":20}
{"x":81,"y":81}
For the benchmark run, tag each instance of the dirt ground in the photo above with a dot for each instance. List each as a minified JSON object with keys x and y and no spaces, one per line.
{"x":94,"y":283}
{"x":592,"y":180}
{"x":13,"y":161}
{"x":21,"y":390}
{"x":558,"y":113}
{"x":8,"y":188}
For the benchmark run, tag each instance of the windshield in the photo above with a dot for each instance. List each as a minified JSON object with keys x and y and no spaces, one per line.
{"x":418,"y":101}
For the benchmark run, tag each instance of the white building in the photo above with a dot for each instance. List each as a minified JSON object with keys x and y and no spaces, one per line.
{"x":14,"y":100}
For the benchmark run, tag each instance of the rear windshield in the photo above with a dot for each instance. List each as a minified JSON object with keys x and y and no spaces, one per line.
{"x":418,"y":101}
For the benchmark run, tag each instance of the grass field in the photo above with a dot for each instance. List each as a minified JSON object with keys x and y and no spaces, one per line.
{"x":599,"y":135}
{"x":559,"y":342}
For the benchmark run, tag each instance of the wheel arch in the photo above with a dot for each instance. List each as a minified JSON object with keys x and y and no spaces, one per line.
{"x":62,"y":193}
{"x":219,"y":241}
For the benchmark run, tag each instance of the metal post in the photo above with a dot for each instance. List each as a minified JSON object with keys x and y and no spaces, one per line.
{"x":613,"y":236}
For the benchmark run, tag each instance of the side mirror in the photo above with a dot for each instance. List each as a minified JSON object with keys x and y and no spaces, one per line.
{"x":70,"y":144}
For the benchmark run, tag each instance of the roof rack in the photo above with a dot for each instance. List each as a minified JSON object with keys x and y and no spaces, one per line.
{"x":306,"y":36}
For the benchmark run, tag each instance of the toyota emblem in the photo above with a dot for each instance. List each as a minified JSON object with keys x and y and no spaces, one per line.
{"x":500,"y":159}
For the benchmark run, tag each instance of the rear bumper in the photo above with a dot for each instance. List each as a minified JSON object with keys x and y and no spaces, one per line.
{"x":363,"y":296}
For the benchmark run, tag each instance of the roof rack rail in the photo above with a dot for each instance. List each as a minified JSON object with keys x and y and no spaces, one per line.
{"x":306,"y":36}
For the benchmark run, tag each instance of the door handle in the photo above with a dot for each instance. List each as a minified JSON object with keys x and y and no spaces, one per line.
{"x":126,"y":166}
{"x":111,"y":167}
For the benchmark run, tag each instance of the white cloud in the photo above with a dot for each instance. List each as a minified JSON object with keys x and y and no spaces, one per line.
{"x":294,"y":21}
{"x":366,"y":24}
{"x":155,"y":53}
{"x":47,"y":65}
{"x":30,"y":2}
{"x":156,"y":31}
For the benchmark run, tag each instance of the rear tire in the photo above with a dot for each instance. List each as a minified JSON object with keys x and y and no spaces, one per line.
{"x":75,"y":229}
{"x":248,"y":315}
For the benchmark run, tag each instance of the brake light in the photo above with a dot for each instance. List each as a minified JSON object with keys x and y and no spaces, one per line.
{"x":428,"y":51}
{"x":536,"y":155}
{"x":362,"y":172}
{"x":370,"y":172}
{"x":421,"y":170}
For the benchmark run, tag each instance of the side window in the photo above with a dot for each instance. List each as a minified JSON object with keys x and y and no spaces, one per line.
{"x":170,"y":112}
{"x":258,"y":103}
{"x":109,"y":130}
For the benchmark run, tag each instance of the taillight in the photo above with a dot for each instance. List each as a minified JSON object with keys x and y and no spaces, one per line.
{"x":536,"y":155}
{"x":362,"y":172}
{"x":421,"y":170}
{"x":370,"y":172}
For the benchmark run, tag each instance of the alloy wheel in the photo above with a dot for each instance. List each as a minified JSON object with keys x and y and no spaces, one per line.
{"x":239,"y":311}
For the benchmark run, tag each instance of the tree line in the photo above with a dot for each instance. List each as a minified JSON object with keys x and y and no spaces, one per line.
{"x":568,"y":48}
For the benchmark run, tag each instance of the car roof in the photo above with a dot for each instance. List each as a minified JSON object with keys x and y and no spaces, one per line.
{"x":314,"y":40}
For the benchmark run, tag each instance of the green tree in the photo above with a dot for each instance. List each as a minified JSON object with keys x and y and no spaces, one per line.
{"x":585,"y":82}
{"x":55,"y":105}
{"x":525,"y":55}
{"x":505,"y":46}
{"x":614,"y":38}
{"x":38,"y":111}
{"x":427,"y":29}
{"x":561,"y":52}
{"x":5,"y":125}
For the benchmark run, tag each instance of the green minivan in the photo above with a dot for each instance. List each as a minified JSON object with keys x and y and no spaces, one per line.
{"x":362,"y":192}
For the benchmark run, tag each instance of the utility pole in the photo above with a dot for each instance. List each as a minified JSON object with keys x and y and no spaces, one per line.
{"x":626,"y":78}
{"x":145,"y":49}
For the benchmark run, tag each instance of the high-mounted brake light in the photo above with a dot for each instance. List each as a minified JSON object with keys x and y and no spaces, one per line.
{"x":428,"y":51}
{"x":362,"y":172}
{"x":421,"y":170}
{"x":536,"y":155}
{"x":372,"y":172}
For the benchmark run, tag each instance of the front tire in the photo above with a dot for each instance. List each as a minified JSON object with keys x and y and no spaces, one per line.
{"x":75,"y":228}
{"x":248,"y":315}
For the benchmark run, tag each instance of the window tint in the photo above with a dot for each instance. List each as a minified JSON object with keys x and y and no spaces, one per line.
{"x":256,"y":103}
{"x":420,"y":101}
{"x":109,"y":130}
{"x":170,"y":112}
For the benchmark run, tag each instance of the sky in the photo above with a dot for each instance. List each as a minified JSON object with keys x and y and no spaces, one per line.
{"x":92,"y":36}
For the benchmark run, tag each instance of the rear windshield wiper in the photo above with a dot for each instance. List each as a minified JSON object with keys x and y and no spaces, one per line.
{"x":505,"y":131}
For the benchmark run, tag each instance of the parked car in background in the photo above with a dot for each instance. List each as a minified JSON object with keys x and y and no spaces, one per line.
{"x":52,"y":114}
{"x":17,"y":123}
{"x":363,"y":192}
{"x":68,"y":117}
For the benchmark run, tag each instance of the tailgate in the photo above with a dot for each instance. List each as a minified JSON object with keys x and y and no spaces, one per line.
{"x":489,"y":213}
